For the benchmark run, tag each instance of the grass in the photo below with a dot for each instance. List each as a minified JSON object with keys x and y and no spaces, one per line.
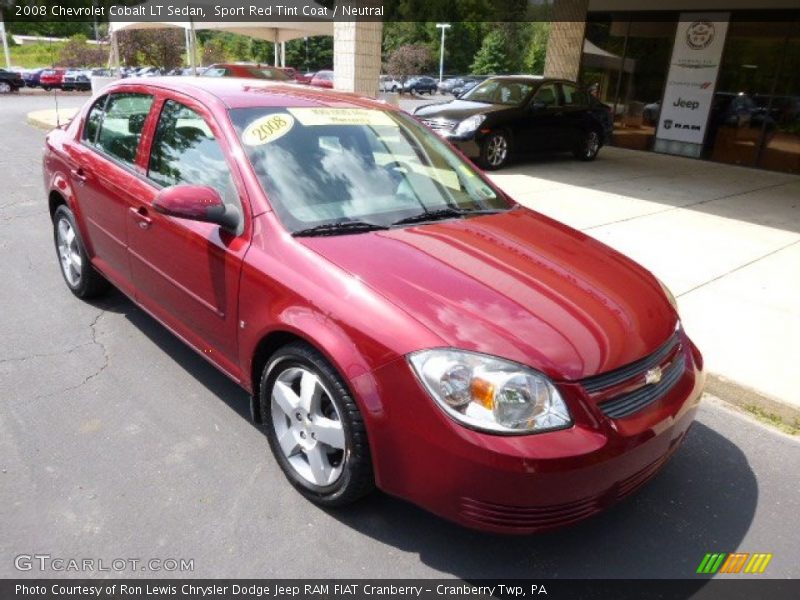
{"x":35,"y":55}
{"x":769,"y":418}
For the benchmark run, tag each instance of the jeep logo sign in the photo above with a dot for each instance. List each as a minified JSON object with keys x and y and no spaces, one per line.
{"x":690,"y":104}
{"x":693,"y":69}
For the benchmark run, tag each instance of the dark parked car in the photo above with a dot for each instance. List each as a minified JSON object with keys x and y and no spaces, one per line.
{"x":505,"y":371}
{"x":10,"y":81}
{"x":420,"y":85}
{"x":447,"y":85}
{"x":31,"y":78}
{"x":519,"y":114}
{"x":467,"y":83}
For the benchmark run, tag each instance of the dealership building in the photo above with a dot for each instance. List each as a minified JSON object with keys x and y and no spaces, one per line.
{"x":716,"y":80}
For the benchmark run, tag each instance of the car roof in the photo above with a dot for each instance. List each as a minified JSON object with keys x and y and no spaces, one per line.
{"x":242,"y":92}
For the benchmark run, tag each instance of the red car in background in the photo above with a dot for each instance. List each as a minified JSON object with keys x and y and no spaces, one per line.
{"x":399,"y":321}
{"x":255,"y":71}
{"x":323,"y":79}
{"x":52,"y":78}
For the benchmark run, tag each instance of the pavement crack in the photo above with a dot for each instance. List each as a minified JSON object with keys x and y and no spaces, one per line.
{"x":94,"y":342}
{"x":14,"y":359}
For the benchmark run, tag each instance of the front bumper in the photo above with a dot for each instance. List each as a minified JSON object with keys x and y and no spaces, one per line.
{"x":523,"y":483}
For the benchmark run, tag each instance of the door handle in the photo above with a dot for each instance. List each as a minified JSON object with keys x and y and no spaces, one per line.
{"x":140,"y":214}
{"x":81,"y":174}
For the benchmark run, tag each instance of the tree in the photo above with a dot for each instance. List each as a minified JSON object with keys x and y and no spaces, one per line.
{"x":492,"y":57}
{"x":409,"y":60}
{"x":213,"y":52}
{"x":533,"y":61}
{"x":157,"y":47}
{"x":77,"y":53}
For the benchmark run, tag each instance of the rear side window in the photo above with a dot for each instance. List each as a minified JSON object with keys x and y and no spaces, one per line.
{"x":547,"y":95}
{"x":93,"y":120}
{"x":573,"y":96}
{"x":185,"y":151}
{"x":121,"y":125}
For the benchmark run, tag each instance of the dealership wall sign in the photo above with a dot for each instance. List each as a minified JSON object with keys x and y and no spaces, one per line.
{"x":693,"y":70}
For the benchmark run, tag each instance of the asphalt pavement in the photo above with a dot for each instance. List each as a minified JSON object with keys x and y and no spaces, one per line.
{"x":118,"y":442}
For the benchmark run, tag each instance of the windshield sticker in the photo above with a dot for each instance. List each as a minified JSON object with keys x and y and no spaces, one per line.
{"x":267,"y":129}
{"x":341,"y":116}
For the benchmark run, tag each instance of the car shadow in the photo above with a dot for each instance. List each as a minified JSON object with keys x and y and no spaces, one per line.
{"x":704,"y":500}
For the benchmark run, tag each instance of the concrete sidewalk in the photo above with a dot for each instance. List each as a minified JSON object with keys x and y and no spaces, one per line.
{"x":50,"y":118}
{"x":725,"y":239}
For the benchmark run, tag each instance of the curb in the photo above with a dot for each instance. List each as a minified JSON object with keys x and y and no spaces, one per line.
{"x":744,"y":397}
{"x":45,"y":119}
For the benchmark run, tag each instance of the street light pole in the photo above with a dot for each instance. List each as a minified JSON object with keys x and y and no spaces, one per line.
{"x":444,"y":27}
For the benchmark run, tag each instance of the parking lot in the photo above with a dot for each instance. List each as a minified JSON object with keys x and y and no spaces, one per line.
{"x":117,"y":441}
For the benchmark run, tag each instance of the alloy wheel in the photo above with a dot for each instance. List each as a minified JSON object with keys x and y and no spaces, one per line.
{"x":308,"y":426}
{"x":497,"y":150}
{"x":591,"y":145}
{"x":5,"y":87}
{"x":69,"y":252}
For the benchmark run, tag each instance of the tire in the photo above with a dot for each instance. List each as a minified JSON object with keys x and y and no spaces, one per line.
{"x":495,"y":151}
{"x":333,"y":473}
{"x":46,"y":88}
{"x":80,"y":276}
{"x":5,"y":87}
{"x":588,"y":147}
{"x":394,"y":89}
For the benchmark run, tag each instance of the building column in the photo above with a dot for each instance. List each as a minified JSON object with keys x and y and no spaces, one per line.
{"x":357,"y":53}
{"x":565,"y":44}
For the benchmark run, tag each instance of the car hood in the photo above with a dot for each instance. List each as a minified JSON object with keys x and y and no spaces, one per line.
{"x":517,"y":285}
{"x":458,"y":110}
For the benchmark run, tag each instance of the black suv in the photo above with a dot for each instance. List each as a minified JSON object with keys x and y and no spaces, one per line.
{"x":421,"y":84}
{"x":10,"y":81}
{"x":519,"y":114}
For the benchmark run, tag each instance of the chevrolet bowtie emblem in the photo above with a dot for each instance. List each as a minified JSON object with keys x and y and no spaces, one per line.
{"x":653,"y":375}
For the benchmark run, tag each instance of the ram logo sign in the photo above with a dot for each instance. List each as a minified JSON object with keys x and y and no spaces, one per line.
{"x":736,"y":562}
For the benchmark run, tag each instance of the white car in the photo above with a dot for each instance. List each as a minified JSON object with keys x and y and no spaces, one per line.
{"x":389,"y":84}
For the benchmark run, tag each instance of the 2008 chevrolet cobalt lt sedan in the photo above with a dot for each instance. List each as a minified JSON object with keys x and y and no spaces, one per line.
{"x":399,"y":321}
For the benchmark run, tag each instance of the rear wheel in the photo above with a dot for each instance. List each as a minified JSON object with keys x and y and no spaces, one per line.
{"x":5,"y":87}
{"x":79,"y":274}
{"x":588,"y":147}
{"x":314,"y":427}
{"x":495,"y":150}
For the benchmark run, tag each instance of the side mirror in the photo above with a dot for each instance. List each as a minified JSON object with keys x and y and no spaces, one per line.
{"x":196,"y":203}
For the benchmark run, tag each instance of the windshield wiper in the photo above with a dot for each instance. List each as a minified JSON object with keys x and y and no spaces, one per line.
{"x":338,"y":228}
{"x":444,"y":213}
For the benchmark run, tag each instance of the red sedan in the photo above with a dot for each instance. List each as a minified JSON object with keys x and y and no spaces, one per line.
{"x":323,"y":79}
{"x":399,"y":321}
{"x":52,"y":78}
{"x":254,"y":71}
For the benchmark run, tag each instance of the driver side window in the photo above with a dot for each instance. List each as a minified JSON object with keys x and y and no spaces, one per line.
{"x":547,"y":95}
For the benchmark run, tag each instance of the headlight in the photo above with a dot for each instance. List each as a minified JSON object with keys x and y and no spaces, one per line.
{"x":469,"y":125}
{"x":490,"y":393}
{"x":668,"y":293}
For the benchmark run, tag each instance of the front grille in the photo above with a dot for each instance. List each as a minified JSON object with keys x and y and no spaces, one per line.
{"x":597,"y":383}
{"x":627,"y":404}
{"x":668,"y":357}
{"x":440,"y":125}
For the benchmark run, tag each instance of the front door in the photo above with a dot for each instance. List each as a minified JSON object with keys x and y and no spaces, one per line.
{"x":542,"y":125}
{"x":187,"y":272}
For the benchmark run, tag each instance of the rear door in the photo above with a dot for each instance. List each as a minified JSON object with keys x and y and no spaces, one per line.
{"x":542,"y":124}
{"x":106,"y":178}
{"x":575,"y":104}
{"x":187,"y":272}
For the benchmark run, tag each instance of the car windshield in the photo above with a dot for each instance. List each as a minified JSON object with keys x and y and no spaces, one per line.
{"x":500,"y":91}
{"x":328,"y":166}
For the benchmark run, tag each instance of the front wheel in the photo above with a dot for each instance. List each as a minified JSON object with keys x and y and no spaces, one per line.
{"x":495,"y":151}
{"x":5,"y":87}
{"x":79,"y":274}
{"x":314,"y":427}
{"x":588,"y":147}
